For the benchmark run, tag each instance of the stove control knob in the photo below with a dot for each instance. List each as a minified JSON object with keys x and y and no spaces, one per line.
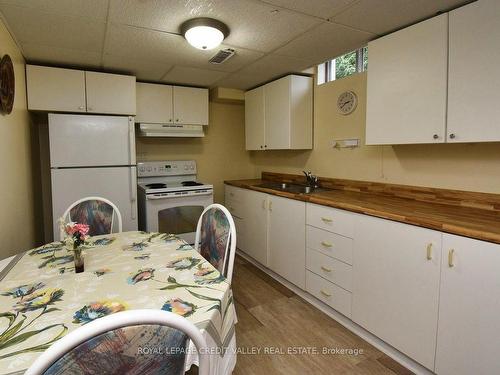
{"x":150,"y":169}
{"x":192,"y":167}
{"x":186,"y":167}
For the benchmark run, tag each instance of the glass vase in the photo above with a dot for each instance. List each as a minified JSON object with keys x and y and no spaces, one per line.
{"x":79,"y":264}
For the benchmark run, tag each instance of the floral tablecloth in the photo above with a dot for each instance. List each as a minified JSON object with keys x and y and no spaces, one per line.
{"x":42,"y":299}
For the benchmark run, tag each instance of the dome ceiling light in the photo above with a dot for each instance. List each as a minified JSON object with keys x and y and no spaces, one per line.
{"x":204,"y":33}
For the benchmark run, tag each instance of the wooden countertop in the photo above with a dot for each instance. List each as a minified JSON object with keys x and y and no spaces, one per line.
{"x":478,"y":223}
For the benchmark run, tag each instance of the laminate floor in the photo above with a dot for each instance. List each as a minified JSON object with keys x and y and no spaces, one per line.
{"x":280,"y":333}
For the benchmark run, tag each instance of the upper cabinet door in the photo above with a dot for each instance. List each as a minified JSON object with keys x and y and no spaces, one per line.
{"x":474,"y":77}
{"x":469,"y":306}
{"x":277,"y":114}
{"x":55,"y":89}
{"x":110,"y":93}
{"x":407,"y":85}
{"x":254,"y":119}
{"x":154,"y":103}
{"x":190,"y":105}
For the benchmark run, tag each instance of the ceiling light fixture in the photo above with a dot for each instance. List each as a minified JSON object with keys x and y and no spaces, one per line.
{"x":204,"y":33}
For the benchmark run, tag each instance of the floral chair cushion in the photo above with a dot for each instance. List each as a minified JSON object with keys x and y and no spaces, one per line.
{"x":214,"y":237}
{"x":98,"y":215}
{"x":134,"y":350}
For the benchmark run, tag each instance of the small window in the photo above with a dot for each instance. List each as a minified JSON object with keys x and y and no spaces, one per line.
{"x":343,"y":66}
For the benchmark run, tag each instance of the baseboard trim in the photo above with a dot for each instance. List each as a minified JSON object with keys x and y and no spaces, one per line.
{"x":399,"y":357}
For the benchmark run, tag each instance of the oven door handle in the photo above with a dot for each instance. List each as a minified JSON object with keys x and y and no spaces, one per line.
{"x":156,"y":197}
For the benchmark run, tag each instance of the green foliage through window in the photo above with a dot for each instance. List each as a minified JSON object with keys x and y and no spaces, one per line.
{"x":343,"y":66}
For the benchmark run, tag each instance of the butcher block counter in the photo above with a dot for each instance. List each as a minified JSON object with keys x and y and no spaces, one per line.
{"x":470,"y":214}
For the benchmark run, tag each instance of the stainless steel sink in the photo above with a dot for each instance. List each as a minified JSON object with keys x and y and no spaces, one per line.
{"x":290,"y":188}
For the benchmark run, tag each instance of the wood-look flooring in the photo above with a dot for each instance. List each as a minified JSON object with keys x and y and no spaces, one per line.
{"x":271,"y":316}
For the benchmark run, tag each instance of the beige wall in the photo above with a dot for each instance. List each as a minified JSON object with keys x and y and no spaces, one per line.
{"x":220,"y":155}
{"x":455,"y":166}
{"x":17,"y":215}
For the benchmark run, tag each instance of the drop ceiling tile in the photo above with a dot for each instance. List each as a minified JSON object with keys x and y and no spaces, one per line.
{"x":133,"y":42}
{"x":237,"y":81}
{"x":318,"y":8}
{"x":95,"y":9}
{"x":383,"y":16}
{"x":253,"y":25}
{"x":158,"y":46}
{"x":35,"y":27}
{"x":61,"y":56}
{"x":325,"y":42}
{"x":193,"y":76}
{"x":145,"y":70}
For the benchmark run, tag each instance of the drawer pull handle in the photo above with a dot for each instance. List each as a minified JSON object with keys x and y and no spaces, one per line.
{"x":231,"y":194}
{"x":326,"y":220}
{"x":271,"y":206}
{"x":429,"y":251}
{"x":264,"y":206}
{"x":450,"y":258}
{"x":326,"y":269}
{"x":325,"y":293}
{"x":326,"y":244}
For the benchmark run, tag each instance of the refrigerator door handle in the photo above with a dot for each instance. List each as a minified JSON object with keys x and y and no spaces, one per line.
{"x":133,"y":192}
{"x":131,"y":140}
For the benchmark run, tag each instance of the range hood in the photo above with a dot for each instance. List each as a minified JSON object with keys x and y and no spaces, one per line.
{"x":170,"y":130}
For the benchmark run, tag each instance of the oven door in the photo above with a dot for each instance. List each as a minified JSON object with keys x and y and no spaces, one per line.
{"x":177,"y":215}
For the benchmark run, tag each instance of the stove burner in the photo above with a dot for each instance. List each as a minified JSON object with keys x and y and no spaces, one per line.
{"x":190,"y":183}
{"x":156,"y":186}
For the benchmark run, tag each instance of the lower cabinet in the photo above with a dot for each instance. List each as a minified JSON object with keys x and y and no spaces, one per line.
{"x":469,"y":308}
{"x":255,"y":222}
{"x":396,"y":270}
{"x":287,"y":239}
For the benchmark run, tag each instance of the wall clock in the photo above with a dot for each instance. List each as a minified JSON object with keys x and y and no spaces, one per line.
{"x":7,"y":85}
{"x":347,"y":102}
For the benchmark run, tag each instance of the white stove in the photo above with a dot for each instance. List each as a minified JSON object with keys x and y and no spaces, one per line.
{"x":170,"y":198}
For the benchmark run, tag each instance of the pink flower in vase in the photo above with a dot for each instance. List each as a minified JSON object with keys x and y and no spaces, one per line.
{"x":82,"y":228}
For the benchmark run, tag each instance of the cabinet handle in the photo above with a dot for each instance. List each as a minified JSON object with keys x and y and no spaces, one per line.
{"x":450,"y":258}
{"x":169,"y":120}
{"x":452,"y":136}
{"x":326,"y":269}
{"x":326,"y":220}
{"x":176,"y":120}
{"x":326,"y":244}
{"x":325,"y":293}
{"x":231,"y":194}
{"x":264,"y":206}
{"x":435,"y":136}
{"x":429,"y":251}
{"x":81,"y":107}
{"x":270,"y":205}
{"x":89,"y":108}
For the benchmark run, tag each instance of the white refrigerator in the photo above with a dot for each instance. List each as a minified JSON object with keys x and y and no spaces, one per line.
{"x":93,"y":156}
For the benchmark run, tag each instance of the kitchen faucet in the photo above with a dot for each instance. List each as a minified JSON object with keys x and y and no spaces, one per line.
{"x":312,"y":180}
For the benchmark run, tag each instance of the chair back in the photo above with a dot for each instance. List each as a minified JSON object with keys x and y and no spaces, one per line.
{"x":131,"y":342}
{"x":216,"y":238}
{"x":97,"y":212}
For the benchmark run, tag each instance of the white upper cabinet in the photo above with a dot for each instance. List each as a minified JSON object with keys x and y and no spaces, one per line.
{"x":474,"y":76}
{"x":190,"y":105}
{"x":69,"y":90}
{"x":469,"y":306}
{"x":110,"y":93}
{"x":254,"y":119}
{"x":154,"y":103}
{"x":407,"y":85}
{"x":396,"y":269}
{"x":55,"y":89}
{"x":280,"y":114}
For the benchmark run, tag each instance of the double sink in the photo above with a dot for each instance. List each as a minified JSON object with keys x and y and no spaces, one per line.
{"x":290,"y":188}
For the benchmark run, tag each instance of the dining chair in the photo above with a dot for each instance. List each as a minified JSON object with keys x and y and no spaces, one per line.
{"x":216,"y":238}
{"x":133,"y":342}
{"x":97,"y":212}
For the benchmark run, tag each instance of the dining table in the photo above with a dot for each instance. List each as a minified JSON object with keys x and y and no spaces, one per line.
{"x":42,"y":298}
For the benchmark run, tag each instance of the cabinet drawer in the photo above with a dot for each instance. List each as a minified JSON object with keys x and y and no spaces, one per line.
{"x":331,"y":269}
{"x":329,"y":293}
{"x":330,"y":219}
{"x":330,"y":244}
{"x":234,"y":200}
